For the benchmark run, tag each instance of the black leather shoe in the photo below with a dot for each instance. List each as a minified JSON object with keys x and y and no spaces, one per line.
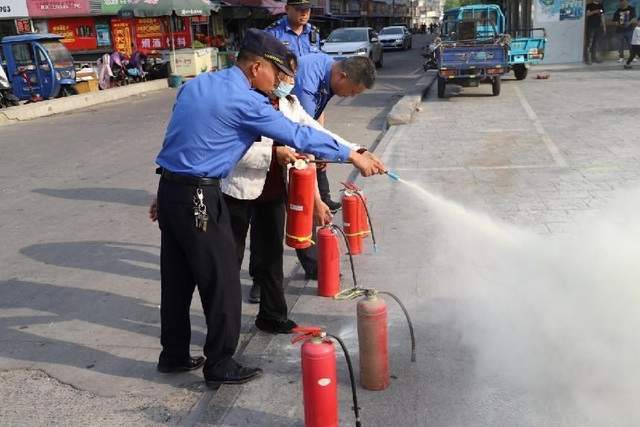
{"x":229,"y":371}
{"x":254,"y":294}
{"x":333,"y":206}
{"x":276,"y":326}
{"x":188,"y":365}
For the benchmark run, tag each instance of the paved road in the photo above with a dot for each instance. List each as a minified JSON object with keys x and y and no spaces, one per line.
{"x":522,"y":280}
{"x":79,"y":274}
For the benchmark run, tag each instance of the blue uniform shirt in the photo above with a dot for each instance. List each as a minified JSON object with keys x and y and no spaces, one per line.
{"x":313,"y":83}
{"x":216,"y":118}
{"x":299,"y":44}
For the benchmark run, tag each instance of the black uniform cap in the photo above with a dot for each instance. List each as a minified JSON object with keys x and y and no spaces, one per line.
{"x":264,"y":44}
{"x":301,"y":4}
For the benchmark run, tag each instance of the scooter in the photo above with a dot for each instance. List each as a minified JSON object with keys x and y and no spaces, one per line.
{"x":7,"y":98}
{"x":429,"y":53}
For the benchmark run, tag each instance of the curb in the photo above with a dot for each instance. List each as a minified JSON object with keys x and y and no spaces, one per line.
{"x":402,"y":112}
{"x":50,"y":107}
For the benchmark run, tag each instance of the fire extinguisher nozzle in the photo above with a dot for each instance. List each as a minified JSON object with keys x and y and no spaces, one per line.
{"x":392,"y":175}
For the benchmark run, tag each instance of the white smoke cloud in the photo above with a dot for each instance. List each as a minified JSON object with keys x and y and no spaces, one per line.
{"x":558,"y":317}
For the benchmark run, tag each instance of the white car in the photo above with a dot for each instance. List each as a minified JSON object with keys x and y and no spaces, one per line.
{"x":396,"y":37}
{"x":355,"y":41}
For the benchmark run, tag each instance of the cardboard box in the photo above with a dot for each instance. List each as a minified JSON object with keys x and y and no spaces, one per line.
{"x":87,"y":86}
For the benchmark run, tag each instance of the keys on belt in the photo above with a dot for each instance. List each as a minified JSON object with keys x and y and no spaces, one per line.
{"x":200,"y":210}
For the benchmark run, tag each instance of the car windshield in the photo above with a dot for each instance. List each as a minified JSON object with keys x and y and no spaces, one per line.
{"x":396,"y":30}
{"x":59,"y":54}
{"x":344,"y":35}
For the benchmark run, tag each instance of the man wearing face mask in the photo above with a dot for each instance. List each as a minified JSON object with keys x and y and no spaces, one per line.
{"x":255,"y":192}
{"x":215,"y":119}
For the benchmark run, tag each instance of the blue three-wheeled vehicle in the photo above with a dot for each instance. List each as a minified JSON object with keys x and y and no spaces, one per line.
{"x":38,"y":66}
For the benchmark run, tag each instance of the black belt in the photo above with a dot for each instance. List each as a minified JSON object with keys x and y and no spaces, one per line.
{"x":187,"y":179}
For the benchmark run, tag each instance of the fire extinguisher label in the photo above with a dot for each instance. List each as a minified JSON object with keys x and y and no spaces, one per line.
{"x":323,"y":382}
{"x":298,"y":208}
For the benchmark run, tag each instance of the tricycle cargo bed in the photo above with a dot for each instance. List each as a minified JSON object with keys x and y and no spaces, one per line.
{"x":477,"y":56}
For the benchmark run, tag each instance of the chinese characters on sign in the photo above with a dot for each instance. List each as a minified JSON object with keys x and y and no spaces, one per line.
{"x":45,"y":8}
{"x":78,"y":33}
{"x":149,"y":34}
{"x":121,"y":32}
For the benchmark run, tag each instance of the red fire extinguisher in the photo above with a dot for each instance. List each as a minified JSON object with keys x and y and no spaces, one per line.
{"x":328,"y":262}
{"x":319,"y":378}
{"x":355,"y":217}
{"x":300,"y":197}
{"x":373,"y":342}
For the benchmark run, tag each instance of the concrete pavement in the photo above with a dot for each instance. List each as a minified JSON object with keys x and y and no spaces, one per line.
{"x":515,"y":325}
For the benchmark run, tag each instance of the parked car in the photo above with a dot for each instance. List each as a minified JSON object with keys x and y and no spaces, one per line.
{"x":396,"y":37}
{"x":354,"y":41}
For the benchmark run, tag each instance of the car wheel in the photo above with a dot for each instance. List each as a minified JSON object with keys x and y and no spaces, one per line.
{"x":380,"y":61}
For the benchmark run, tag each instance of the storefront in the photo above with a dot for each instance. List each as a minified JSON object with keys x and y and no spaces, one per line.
{"x":13,"y":17}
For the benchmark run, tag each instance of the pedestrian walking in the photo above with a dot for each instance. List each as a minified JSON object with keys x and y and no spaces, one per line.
{"x":595,"y":30}
{"x":625,"y":19}
{"x":215,"y":119}
{"x":255,"y":190}
{"x":635,"y":46}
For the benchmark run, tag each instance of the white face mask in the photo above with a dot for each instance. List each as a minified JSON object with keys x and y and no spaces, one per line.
{"x":283,"y":90}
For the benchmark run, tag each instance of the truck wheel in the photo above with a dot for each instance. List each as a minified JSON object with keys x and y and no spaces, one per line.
{"x":442,"y":84}
{"x":520,"y":71}
{"x":495,"y":86}
{"x":380,"y":62}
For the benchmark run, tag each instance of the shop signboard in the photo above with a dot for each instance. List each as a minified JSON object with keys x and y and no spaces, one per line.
{"x":149,"y":34}
{"x":13,"y":9}
{"x":121,"y":34}
{"x":47,"y":8}
{"x":78,"y":33}
{"x":111,"y":7}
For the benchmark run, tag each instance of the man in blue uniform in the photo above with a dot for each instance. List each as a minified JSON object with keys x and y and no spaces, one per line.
{"x":319,"y":78}
{"x":294,"y":30}
{"x":215,"y":119}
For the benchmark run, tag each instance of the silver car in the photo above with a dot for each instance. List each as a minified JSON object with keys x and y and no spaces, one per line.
{"x":396,"y":37}
{"x":354,"y":41}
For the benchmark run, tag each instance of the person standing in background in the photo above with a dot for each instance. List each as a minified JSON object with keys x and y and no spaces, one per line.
{"x":625,"y":19}
{"x":595,"y":30}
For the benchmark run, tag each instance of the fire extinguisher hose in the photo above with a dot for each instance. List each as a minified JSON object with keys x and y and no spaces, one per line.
{"x":346,"y":242}
{"x":406,"y":313}
{"x":366,"y":210}
{"x":356,"y":409}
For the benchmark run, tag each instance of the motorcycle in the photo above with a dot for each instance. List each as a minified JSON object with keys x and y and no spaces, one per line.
{"x":429,"y":52}
{"x":7,"y":98}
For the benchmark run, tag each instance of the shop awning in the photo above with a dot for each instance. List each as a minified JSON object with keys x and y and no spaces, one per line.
{"x":150,"y":8}
{"x":274,"y":7}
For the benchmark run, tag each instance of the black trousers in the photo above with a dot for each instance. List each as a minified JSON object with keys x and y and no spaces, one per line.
{"x":323,"y":184}
{"x":591,"y":46}
{"x":267,"y":250}
{"x":190,"y":257}
{"x":635,"y":51}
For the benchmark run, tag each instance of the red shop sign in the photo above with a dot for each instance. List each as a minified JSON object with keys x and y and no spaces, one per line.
{"x":46,"y":8}
{"x":78,"y":33}
{"x":121,"y":34}
{"x":149,"y":34}
{"x":182,"y":39}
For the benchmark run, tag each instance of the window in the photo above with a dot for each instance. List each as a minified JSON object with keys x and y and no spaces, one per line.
{"x":22,"y":54}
